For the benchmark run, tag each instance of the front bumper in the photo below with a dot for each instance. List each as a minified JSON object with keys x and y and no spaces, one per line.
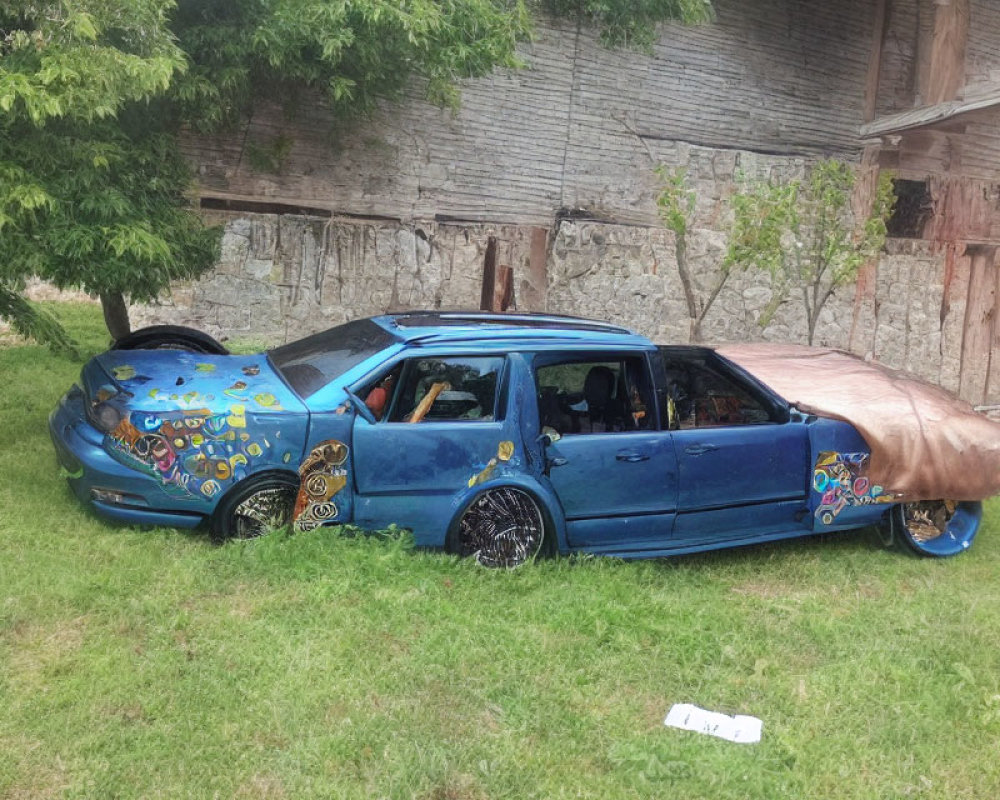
{"x":88,"y":466}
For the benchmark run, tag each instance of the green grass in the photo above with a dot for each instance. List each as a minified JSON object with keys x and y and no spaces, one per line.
{"x":151,"y":664}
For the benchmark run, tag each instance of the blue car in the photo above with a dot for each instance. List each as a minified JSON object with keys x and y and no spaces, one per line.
{"x":501,"y":437}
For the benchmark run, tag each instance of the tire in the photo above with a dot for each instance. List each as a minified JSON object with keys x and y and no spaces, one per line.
{"x":502,"y":528}
{"x":934,"y":528}
{"x":170,"y":337}
{"x":256,"y":507}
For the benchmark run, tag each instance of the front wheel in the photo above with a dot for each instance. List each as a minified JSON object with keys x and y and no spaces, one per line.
{"x":935,"y":528}
{"x":502,"y":527}
{"x":255,"y":508}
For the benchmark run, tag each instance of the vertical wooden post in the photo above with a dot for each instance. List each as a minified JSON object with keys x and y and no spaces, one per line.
{"x":978,"y":336}
{"x":486,"y":299}
{"x":867,"y":181}
{"x":534,"y":286}
{"x":947,"y":57}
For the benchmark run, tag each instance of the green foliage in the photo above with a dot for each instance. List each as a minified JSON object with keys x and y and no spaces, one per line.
{"x":34,"y":323}
{"x":100,"y":209}
{"x":83,"y":59}
{"x":631,"y":23}
{"x":803,"y":233}
{"x":676,"y":204}
{"x":675,"y":201}
{"x":94,"y":92}
{"x":354,"y":53}
{"x":92,"y":191}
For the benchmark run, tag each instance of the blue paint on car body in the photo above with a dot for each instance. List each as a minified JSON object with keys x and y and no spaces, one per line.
{"x":626,"y":448}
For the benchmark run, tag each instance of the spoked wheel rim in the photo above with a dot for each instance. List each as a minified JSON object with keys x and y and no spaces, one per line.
{"x":263,"y":512}
{"x":502,"y":528}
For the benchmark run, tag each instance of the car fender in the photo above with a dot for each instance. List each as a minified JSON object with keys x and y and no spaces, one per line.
{"x":546,"y":498}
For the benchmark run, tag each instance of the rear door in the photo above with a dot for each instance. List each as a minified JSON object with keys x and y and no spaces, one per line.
{"x":743,"y":465}
{"x":614,"y":471}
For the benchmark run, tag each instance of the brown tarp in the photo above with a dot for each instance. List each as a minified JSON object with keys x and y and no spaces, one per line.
{"x":926,"y":444}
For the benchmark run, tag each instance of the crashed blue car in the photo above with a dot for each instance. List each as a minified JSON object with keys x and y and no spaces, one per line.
{"x":500,"y":437}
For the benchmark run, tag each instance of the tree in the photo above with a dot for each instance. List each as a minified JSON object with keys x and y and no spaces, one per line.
{"x":631,"y":23}
{"x":93,"y":94}
{"x":802,"y":233}
{"x":676,"y":204}
{"x":91,"y":192}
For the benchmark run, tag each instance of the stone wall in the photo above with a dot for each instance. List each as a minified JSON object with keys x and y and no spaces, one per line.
{"x":282,"y":277}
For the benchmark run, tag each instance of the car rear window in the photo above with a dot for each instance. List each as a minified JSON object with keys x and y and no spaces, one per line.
{"x":311,"y":363}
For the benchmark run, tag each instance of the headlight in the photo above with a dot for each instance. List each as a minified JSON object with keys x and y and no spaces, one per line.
{"x":103,"y":416}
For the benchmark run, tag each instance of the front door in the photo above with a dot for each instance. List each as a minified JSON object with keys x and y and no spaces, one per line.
{"x":612,"y":469}
{"x":436,"y":428}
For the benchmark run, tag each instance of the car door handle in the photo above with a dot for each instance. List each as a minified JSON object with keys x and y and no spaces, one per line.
{"x":557,"y":461}
{"x":700,"y":449}
{"x":631,"y":456}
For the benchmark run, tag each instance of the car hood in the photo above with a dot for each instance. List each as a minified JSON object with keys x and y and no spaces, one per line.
{"x":926,"y":443}
{"x":159,"y":381}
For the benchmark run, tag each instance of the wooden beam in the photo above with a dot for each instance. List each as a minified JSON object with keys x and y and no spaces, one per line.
{"x":929,"y":115}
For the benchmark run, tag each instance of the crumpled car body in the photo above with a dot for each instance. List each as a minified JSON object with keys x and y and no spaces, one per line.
{"x":497,"y":436}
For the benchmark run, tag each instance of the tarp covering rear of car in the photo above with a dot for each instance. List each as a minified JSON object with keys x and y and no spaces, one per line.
{"x":926,"y":444}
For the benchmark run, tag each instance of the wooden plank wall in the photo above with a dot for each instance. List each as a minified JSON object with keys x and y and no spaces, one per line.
{"x":577,"y":129}
{"x":982,"y":57}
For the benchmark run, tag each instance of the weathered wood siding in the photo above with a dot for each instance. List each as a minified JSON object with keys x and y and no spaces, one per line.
{"x":550,"y":169}
{"x":576,"y":129}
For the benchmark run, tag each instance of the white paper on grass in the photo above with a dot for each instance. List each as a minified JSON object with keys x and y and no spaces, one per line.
{"x":739,"y":728}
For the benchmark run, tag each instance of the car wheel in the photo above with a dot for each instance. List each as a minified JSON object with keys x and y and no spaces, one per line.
{"x":935,"y":528}
{"x":170,"y":337}
{"x":502,"y":527}
{"x":256,"y":508}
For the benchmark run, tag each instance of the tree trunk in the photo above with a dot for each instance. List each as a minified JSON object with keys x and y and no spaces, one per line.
{"x":116,"y":315}
{"x":680,"y":250}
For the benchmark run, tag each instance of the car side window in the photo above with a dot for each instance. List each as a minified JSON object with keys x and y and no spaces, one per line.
{"x":438,"y":389}
{"x":699,"y":396}
{"x":595,"y":396}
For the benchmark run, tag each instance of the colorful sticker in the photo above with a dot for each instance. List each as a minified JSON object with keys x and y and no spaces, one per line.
{"x":193,"y":451}
{"x":505,"y":452}
{"x":841,"y":479}
{"x":322,"y":476}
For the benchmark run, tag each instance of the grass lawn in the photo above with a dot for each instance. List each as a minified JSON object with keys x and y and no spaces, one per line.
{"x":148,"y":663}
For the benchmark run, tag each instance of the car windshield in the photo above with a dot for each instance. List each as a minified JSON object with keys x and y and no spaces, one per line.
{"x":311,"y":363}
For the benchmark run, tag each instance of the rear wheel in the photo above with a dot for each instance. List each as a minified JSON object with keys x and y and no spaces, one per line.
{"x":502,"y":527}
{"x":935,"y":528}
{"x":256,"y":508}
{"x":170,"y":337}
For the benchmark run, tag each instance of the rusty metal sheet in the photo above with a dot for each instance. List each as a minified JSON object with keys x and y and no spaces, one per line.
{"x":925,"y":442}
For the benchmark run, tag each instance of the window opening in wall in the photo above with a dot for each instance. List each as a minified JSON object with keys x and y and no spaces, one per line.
{"x":914,"y":207}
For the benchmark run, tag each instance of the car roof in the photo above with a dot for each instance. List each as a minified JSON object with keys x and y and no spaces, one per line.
{"x":441,"y":327}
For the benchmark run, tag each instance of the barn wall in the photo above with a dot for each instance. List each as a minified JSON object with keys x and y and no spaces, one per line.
{"x":560,"y":157}
{"x":577,"y":127}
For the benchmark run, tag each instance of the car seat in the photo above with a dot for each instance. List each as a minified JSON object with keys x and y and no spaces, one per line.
{"x":598,"y":391}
